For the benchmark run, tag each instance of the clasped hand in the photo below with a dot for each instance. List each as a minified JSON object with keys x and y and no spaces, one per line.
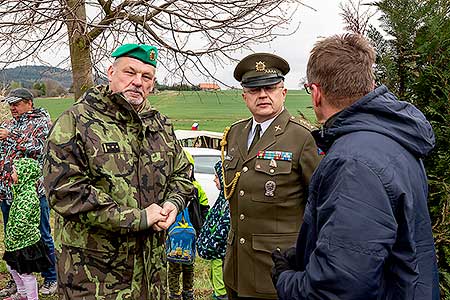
{"x":161,"y":217}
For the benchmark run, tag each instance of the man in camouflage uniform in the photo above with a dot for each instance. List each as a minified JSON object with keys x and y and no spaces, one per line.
{"x":270,"y":159}
{"x":116,"y":176}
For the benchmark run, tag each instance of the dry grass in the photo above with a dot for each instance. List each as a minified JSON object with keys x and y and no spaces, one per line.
{"x":4,"y":111}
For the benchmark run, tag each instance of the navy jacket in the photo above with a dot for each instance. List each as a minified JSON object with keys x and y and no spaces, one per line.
{"x":367,"y":231}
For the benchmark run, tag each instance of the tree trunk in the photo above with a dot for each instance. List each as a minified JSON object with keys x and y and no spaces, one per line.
{"x":80,"y":54}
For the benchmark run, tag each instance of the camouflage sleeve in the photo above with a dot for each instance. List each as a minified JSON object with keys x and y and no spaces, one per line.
{"x":69,"y":188}
{"x":180,"y":186}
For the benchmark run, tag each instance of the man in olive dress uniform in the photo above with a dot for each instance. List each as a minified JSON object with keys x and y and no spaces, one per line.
{"x":269,"y":161}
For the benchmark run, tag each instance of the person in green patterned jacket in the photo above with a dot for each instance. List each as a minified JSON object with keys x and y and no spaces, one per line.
{"x":25,"y":250}
{"x":116,"y":177}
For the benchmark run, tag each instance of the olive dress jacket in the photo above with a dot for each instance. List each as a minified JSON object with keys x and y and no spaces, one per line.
{"x":268,"y":201}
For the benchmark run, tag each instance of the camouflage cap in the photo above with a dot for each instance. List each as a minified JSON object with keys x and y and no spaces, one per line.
{"x":17,"y":95}
{"x":146,"y":53}
{"x":261,"y":69}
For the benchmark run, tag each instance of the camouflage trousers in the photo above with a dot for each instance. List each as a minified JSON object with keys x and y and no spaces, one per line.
{"x":174,"y":272}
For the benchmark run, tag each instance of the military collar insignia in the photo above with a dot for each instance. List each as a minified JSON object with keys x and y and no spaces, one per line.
{"x":277,"y":128}
{"x":260,"y":66}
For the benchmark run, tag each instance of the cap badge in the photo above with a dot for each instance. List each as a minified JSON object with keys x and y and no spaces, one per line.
{"x":260,"y":66}
{"x":152,"y":54}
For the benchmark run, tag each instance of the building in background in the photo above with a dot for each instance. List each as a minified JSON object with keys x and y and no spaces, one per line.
{"x":209,"y":86}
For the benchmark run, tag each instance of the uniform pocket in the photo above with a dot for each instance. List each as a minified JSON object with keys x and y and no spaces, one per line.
{"x":263,"y":245}
{"x":162,"y":163}
{"x":272,"y":175}
{"x":90,"y":273}
{"x":273,"y":167}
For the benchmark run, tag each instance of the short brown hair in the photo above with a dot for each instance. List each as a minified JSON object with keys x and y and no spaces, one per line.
{"x":342,"y":65}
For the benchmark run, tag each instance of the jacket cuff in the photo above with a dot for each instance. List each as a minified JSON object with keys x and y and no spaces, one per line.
{"x":143,"y":222}
{"x":178,"y":202}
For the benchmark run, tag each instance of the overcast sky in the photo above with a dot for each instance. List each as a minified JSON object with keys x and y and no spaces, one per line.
{"x":295,"y":49}
{"x":325,"y":21}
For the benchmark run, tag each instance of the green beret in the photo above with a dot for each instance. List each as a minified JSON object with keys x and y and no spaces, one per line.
{"x":261,"y":69}
{"x":145,"y":53}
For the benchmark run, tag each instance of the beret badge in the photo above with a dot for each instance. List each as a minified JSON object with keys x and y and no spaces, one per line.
{"x":152,"y":54}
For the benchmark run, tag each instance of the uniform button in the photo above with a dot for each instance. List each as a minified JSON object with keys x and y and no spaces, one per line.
{"x":271,"y":171}
{"x":244,"y":169}
{"x":241,"y":193}
{"x":242,"y":217}
{"x":242,"y":241}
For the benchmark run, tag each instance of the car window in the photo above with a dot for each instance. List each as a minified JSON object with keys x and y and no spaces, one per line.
{"x":205,"y":163}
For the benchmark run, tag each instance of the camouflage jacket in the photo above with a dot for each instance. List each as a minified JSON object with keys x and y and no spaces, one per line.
{"x":105,"y":163}
{"x":27,"y":135}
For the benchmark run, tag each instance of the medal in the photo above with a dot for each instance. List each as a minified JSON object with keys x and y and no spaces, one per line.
{"x":270,"y":187}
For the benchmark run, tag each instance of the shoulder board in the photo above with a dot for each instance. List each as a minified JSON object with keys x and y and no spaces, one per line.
{"x":303,"y":122}
{"x":241,"y":121}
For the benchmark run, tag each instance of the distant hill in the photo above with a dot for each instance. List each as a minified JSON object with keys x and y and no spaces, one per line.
{"x":28,"y":75}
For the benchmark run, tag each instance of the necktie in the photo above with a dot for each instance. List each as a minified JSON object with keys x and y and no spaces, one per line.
{"x":255,"y":137}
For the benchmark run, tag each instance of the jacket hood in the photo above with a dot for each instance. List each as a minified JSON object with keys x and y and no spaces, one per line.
{"x":380,"y":111}
{"x":114,"y":105}
{"x":218,"y":170}
{"x":28,"y":170}
{"x":102,"y":99}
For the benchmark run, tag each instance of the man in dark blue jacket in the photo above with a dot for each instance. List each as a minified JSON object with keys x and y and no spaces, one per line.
{"x":366,"y":231}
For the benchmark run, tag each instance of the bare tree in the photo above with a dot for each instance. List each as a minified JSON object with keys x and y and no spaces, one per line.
{"x":356,"y":18}
{"x":199,"y":36}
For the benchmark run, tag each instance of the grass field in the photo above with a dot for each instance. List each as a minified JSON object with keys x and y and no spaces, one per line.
{"x":212,"y":110}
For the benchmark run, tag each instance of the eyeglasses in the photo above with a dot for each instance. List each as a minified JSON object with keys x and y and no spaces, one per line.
{"x":268,"y":89}
{"x":308,"y":87}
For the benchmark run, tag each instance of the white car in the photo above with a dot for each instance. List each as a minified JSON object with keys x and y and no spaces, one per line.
{"x":204,"y":161}
{"x":199,"y":138}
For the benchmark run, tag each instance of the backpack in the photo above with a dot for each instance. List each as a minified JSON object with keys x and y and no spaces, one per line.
{"x":197,"y":214}
{"x":212,"y":240}
{"x":180,"y":240}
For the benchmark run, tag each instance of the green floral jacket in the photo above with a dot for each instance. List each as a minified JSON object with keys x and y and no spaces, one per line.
{"x":22,"y":229}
